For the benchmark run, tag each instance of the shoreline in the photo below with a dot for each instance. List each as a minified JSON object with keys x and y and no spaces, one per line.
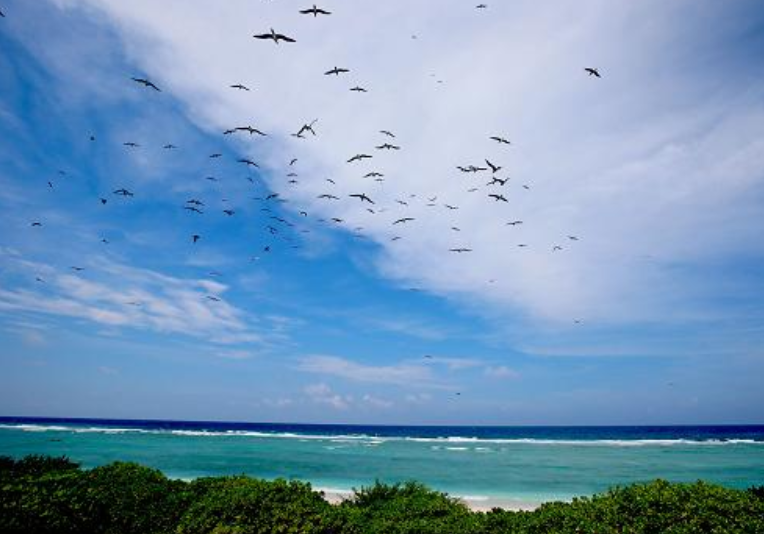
{"x":474,"y":503}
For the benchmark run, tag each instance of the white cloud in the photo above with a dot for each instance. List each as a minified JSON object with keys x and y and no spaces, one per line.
{"x":376,"y":402}
{"x":116,"y":295}
{"x":323,"y":394}
{"x":403,"y":374}
{"x":633,"y":163}
{"x":501,"y":371}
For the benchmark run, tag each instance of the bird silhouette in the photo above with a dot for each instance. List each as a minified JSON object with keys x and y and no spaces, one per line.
{"x":123,"y":192}
{"x":460,"y":250}
{"x":315,"y":11}
{"x":248,"y":162}
{"x":328,"y":197}
{"x":593,"y":72}
{"x":36,"y":224}
{"x":362,"y":198}
{"x":169,"y":147}
{"x":387,"y":133}
{"x":147,"y":83}
{"x":275,"y":37}
{"x":131,"y":144}
{"x":194,"y":209}
{"x":497,"y":181}
{"x":336,"y":71}
{"x":404,"y":220}
{"x":388,"y":146}
{"x":359,"y":157}
{"x":498,"y":198}
{"x":500,"y":140}
{"x":195,"y":238}
{"x":494,"y":168}
{"x":358,"y":89}
{"x":240,"y":87}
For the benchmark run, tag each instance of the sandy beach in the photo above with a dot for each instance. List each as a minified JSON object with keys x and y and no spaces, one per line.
{"x":476,"y":504}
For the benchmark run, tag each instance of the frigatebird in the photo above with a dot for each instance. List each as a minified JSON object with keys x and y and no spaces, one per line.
{"x":250,"y":130}
{"x":194,"y":209}
{"x":358,"y":89}
{"x":240,"y":87}
{"x":248,"y":162}
{"x":449,"y":206}
{"x":514,"y":223}
{"x":131,"y":144}
{"x":500,"y":140}
{"x":36,"y":223}
{"x":195,"y":238}
{"x":229,"y":212}
{"x":362,"y":197}
{"x":498,"y":198}
{"x":359,"y":157}
{"x":388,"y":146}
{"x":374,"y":175}
{"x":147,"y":83}
{"x":328,"y":197}
{"x":315,"y":11}
{"x":494,"y":168}
{"x":216,"y":155}
{"x":593,"y":72}
{"x":336,"y":71}
{"x":404,"y":220}
{"x":387,"y":133}
{"x":460,"y":250}
{"x":169,"y":147}
{"x":275,"y":37}
{"x":123,"y":192}
{"x":498,"y":181}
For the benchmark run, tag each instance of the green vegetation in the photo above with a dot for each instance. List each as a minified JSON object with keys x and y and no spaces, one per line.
{"x":54,"y":495}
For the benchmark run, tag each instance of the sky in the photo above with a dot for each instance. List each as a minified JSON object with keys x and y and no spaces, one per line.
{"x":629,"y":291}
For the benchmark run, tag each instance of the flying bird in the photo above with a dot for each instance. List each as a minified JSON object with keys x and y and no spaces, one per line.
{"x":500,"y":140}
{"x":514,"y":223}
{"x":362,"y":198}
{"x":499,"y":181}
{"x":195,"y":238}
{"x":460,"y":250}
{"x":494,"y":168}
{"x":498,"y":198}
{"x":194,"y":209}
{"x":229,"y":212}
{"x":169,"y":147}
{"x":388,"y":146}
{"x":36,"y":223}
{"x":329,"y":197}
{"x":123,"y":192}
{"x":131,"y":144}
{"x":404,"y":220}
{"x":387,"y":133}
{"x":359,"y":157}
{"x":315,"y":11}
{"x":248,"y":162}
{"x":147,"y":84}
{"x":78,"y":269}
{"x":240,"y":87}
{"x":358,"y":89}
{"x":593,"y":72}
{"x":374,"y":175}
{"x":216,"y":156}
{"x":275,"y":37}
{"x":336,"y":71}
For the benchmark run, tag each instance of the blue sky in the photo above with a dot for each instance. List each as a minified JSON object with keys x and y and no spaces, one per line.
{"x":653,"y":315}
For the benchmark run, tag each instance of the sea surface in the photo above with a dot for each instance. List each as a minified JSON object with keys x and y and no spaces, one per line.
{"x":516,"y":466}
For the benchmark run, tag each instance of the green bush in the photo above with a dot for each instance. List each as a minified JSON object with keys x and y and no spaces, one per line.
{"x":244,"y":505}
{"x":406,"y":508}
{"x":40,"y":495}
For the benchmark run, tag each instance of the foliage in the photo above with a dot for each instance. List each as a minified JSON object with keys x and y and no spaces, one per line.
{"x":53,"y":495}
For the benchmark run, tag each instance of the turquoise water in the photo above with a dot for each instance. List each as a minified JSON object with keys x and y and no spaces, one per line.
{"x":526,"y":466}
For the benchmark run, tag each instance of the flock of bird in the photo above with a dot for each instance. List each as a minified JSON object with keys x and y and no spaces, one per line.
{"x":280,"y":227}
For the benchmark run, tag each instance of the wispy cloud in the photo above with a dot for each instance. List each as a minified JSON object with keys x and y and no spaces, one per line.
{"x":116,"y":295}
{"x":323,"y":394}
{"x":404,"y":374}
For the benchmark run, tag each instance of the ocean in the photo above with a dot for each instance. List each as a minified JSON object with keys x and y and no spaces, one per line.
{"x":510,"y":466}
